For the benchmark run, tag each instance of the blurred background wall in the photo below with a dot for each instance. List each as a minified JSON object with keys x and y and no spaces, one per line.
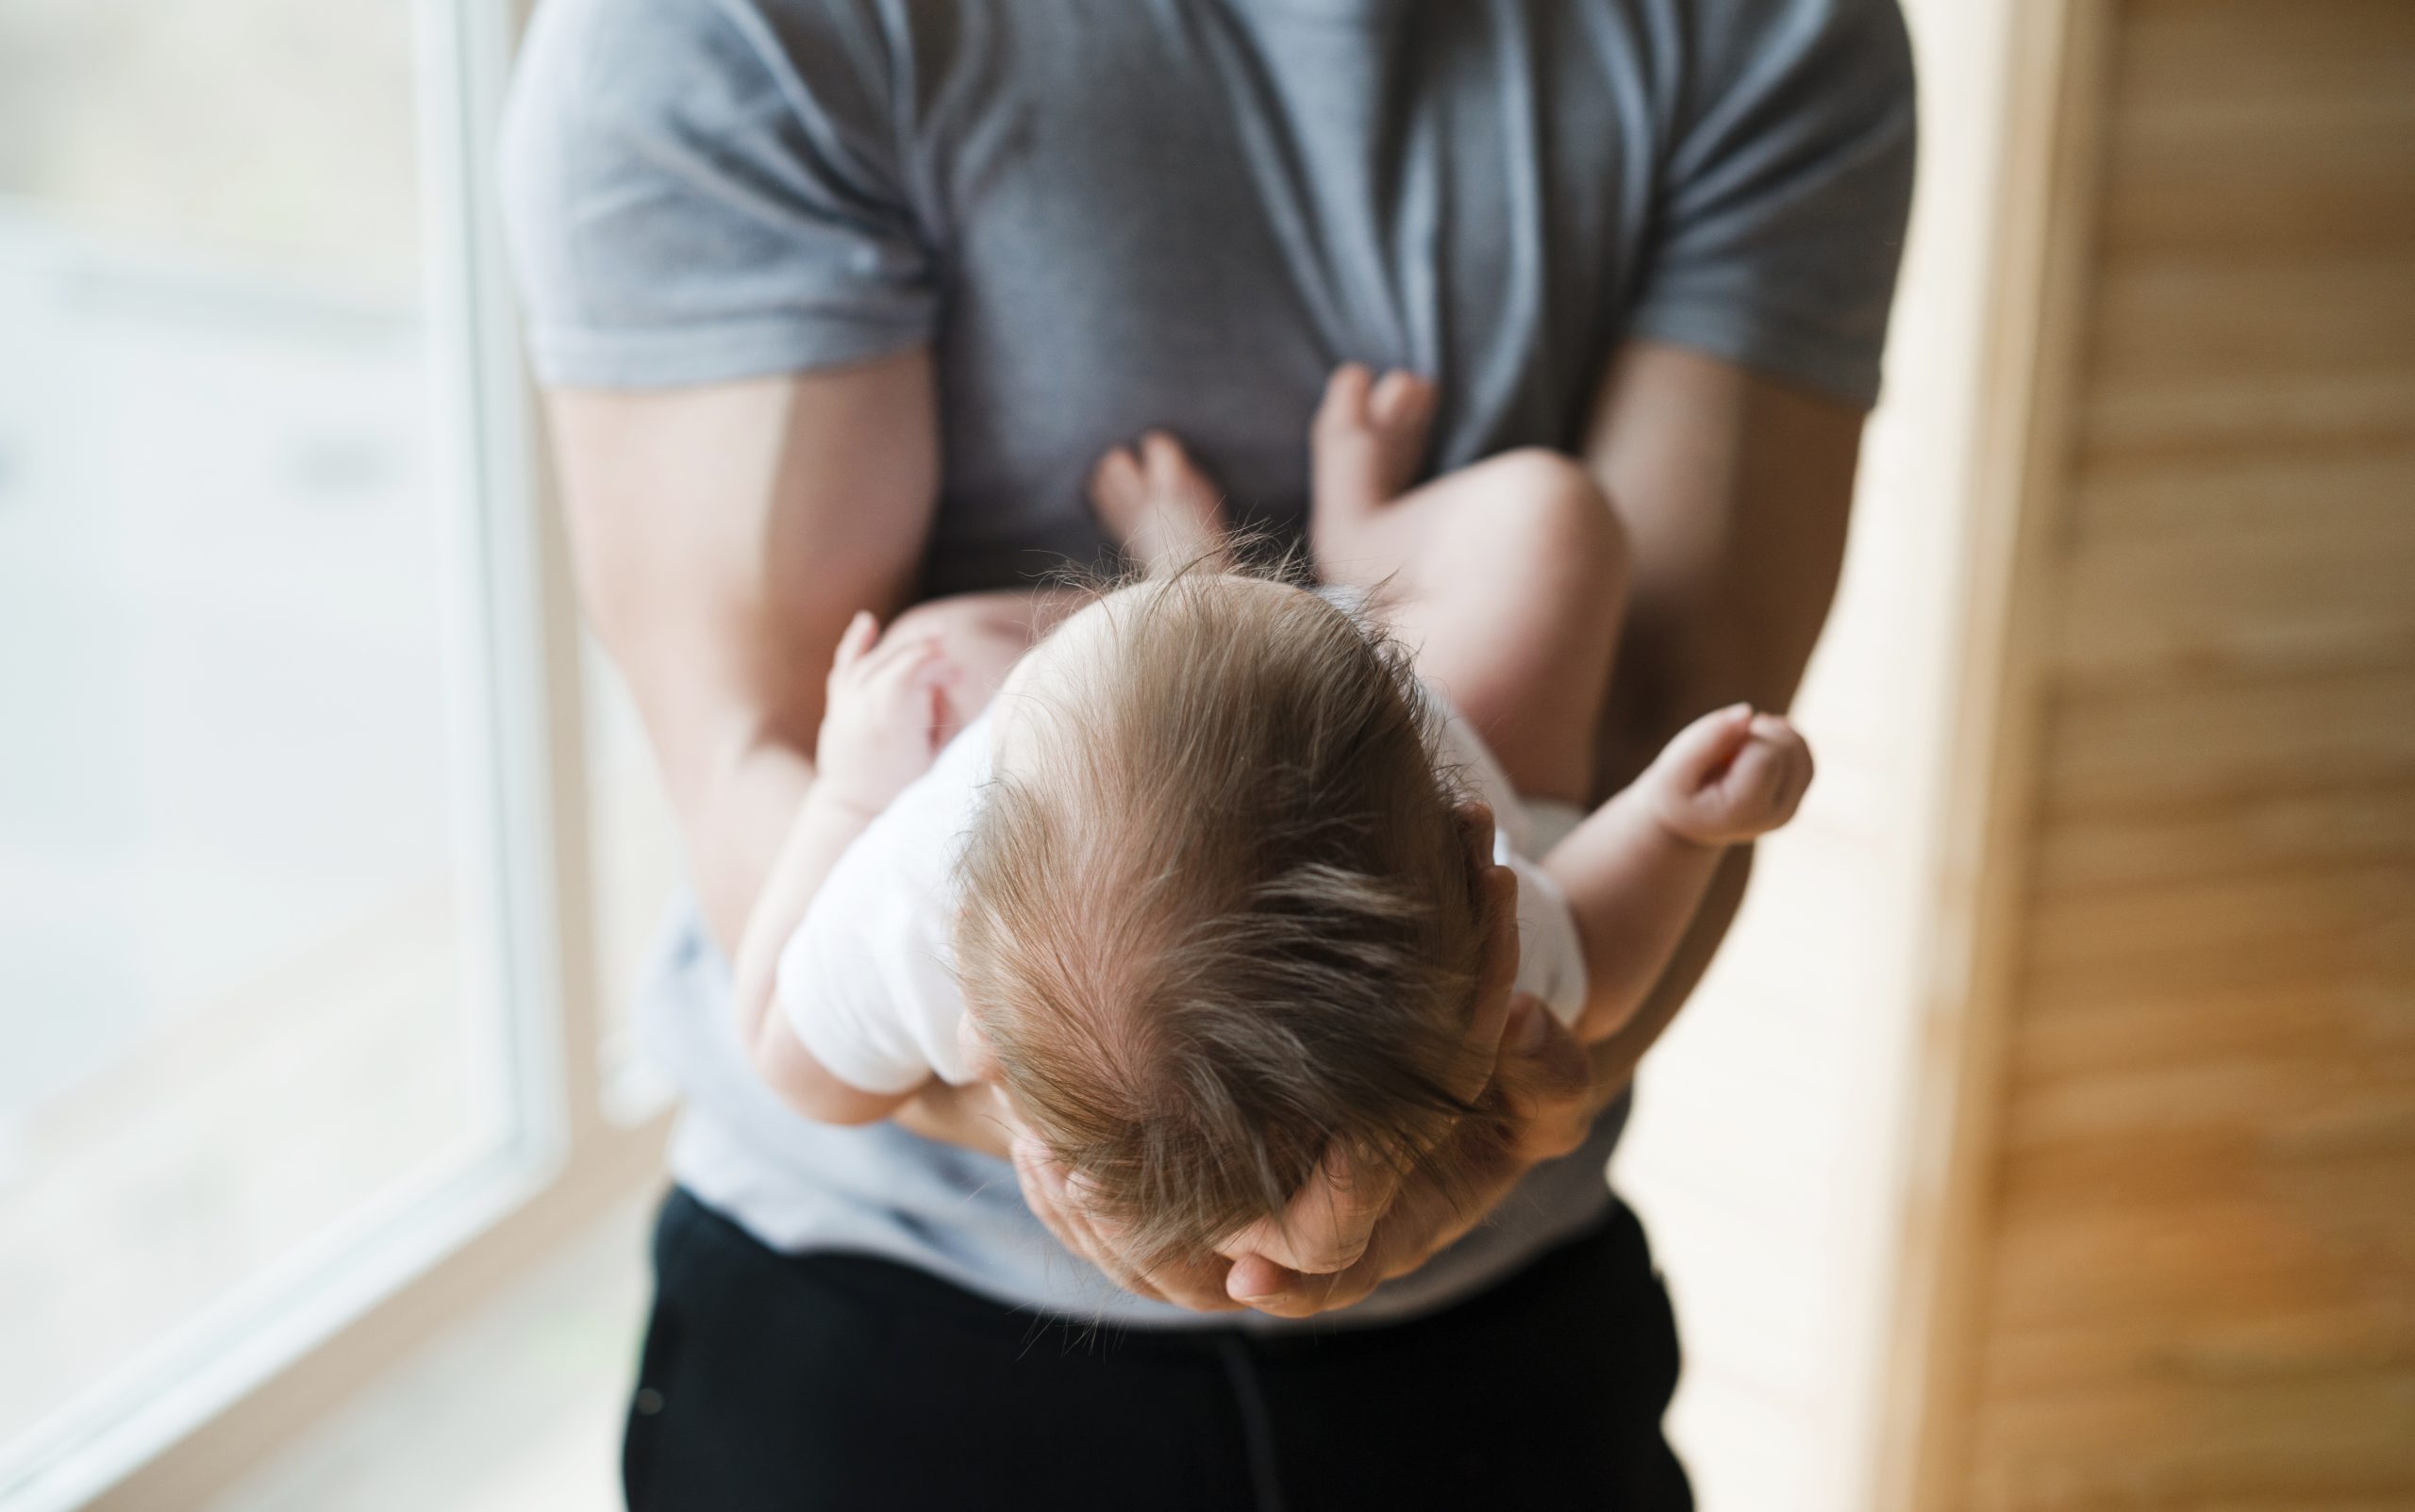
{"x":2180,"y":1270}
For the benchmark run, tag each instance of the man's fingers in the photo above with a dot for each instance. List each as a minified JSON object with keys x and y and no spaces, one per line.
{"x":1254,"y":1277}
{"x":1345,"y":394}
{"x":1045,"y":1191}
{"x":1475,"y":822}
{"x":1326,"y":1228}
{"x":1044,"y":1185}
{"x":1496,"y":972}
{"x":1280,"y":1293}
{"x":1199,"y":1286}
{"x":1131,"y":1281}
{"x":1546,"y":1082}
{"x":1326,"y":1225}
{"x":1541,"y":1063}
{"x":1050,"y":1197}
{"x":1410,"y":1233}
{"x":1056,"y":1199}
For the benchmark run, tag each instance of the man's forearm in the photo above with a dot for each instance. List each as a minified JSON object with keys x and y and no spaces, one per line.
{"x":735,"y":826}
{"x":1735,"y":489}
{"x":722,"y":535}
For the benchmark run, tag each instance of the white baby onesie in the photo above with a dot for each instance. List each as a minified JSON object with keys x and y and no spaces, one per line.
{"x":867,"y":981}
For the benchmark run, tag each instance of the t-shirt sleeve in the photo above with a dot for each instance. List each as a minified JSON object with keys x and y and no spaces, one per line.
{"x":1779,"y":219}
{"x":840,"y":1004}
{"x":867,"y":982}
{"x":1551,"y":953}
{"x":694,"y":195}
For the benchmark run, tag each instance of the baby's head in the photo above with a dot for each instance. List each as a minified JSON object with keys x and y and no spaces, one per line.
{"x":1219,"y":908}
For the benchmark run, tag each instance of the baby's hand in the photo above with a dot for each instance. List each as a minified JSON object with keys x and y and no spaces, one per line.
{"x":1730,"y":776}
{"x":880,"y":725}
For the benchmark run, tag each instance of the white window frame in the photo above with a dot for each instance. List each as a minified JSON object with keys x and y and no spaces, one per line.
{"x":206,"y":1404}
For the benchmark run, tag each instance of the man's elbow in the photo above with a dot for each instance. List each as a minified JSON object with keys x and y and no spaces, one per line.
{"x":1606,"y":1012}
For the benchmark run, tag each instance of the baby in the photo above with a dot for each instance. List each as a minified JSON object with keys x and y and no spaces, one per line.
{"x":1196,"y":890}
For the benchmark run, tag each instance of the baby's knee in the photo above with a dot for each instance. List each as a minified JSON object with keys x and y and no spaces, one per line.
{"x":1561,"y":513}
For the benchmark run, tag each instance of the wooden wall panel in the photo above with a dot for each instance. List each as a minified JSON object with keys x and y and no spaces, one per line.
{"x":2196,"y":1287}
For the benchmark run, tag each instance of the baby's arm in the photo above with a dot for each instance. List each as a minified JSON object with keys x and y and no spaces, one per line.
{"x":1635,"y":870}
{"x":879,"y":732}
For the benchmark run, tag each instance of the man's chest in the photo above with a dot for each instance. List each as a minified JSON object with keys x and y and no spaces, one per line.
{"x":1189,"y":227}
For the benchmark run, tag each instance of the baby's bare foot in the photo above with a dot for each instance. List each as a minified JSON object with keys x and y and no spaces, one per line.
{"x":1160,"y":506}
{"x":1369,"y":438}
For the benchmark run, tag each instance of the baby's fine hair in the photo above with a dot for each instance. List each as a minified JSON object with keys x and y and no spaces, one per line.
{"x":1222,"y":914}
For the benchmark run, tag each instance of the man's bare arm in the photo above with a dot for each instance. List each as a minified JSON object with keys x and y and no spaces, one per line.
{"x":1735,"y":489}
{"x":723,"y":536}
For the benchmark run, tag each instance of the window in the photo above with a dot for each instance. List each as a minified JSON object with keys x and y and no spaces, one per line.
{"x":296,"y":954}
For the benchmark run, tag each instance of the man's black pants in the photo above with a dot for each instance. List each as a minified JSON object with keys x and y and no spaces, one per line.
{"x":843,"y":1382}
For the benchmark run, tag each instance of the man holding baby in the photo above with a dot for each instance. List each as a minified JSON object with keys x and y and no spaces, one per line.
{"x":838,"y":303}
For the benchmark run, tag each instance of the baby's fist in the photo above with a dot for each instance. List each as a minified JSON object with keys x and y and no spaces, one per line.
{"x":1730,"y":776}
{"x":880,"y":725}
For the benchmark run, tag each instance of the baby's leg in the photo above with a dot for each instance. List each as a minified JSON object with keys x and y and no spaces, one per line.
{"x":1508,"y":577}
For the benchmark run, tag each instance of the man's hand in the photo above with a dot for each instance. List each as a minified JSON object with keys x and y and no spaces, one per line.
{"x":1542,"y":1105}
{"x":1058,"y":1199}
{"x":1343,"y":1237}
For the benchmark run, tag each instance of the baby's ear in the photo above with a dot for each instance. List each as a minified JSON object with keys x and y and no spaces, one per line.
{"x":978,"y":1060}
{"x":1475,"y":822}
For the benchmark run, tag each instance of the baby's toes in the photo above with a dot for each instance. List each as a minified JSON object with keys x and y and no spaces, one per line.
{"x":1402,"y":400}
{"x":1345,"y":405}
{"x":1160,"y":508}
{"x":1399,"y":410}
{"x":1178,"y":490}
{"x":1119,"y":490}
{"x":1354,"y":464}
{"x":1171,"y":472}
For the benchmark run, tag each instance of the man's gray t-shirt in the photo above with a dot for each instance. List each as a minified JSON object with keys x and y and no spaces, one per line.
{"x":1106,"y":216}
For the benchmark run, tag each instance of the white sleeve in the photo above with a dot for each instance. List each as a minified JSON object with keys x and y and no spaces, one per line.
{"x":830,"y":989}
{"x":1551,"y":955}
{"x":867,"y":981}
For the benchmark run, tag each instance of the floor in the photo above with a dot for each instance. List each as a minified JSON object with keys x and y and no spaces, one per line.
{"x":516,"y":1409}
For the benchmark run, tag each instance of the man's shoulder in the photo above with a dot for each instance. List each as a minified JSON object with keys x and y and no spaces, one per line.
{"x":1733,"y":37}
{"x":634,"y":53}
